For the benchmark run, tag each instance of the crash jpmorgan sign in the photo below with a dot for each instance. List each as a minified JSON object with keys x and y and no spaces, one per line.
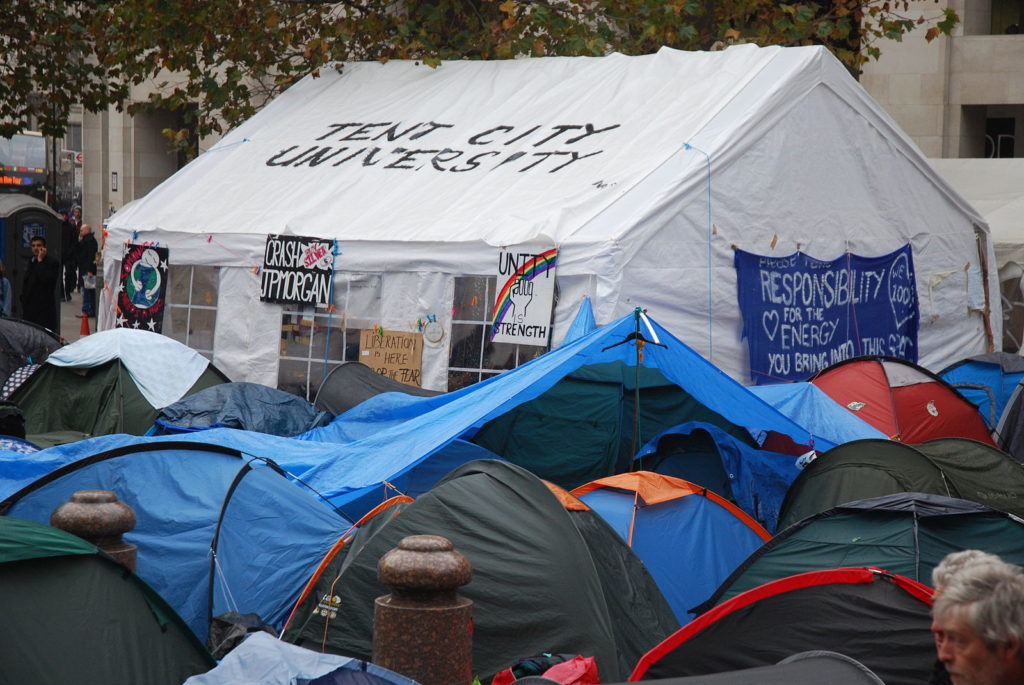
{"x":297,"y":270}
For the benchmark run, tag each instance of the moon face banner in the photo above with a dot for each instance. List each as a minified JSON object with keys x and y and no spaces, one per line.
{"x":802,"y":314}
{"x":142,"y":288}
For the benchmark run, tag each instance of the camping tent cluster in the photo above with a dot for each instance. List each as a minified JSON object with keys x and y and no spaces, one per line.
{"x":658,"y":445}
{"x":616,"y":495}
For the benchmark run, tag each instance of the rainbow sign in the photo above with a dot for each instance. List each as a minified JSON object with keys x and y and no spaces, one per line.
{"x":533,"y":318}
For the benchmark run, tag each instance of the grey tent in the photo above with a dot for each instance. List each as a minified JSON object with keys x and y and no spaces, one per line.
{"x":351,"y":383}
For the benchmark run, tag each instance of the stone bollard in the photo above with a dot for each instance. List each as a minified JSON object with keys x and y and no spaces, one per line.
{"x":423,"y":629}
{"x":97,"y":516}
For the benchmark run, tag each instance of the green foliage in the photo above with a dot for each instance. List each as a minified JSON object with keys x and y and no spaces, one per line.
{"x":220,"y":60}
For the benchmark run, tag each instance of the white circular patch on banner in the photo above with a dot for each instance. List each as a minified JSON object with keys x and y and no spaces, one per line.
{"x":932,"y":409}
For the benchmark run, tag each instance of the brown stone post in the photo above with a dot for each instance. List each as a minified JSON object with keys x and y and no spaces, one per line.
{"x":423,"y":629}
{"x":97,"y":516}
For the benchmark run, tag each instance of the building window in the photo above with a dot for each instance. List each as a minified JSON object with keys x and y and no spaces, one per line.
{"x":314,"y":339}
{"x":1007,"y":16}
{"x":472,"y":357}
{"x":192,"y":306}
{"x":999,"y":137}
{"x":73,"y":137}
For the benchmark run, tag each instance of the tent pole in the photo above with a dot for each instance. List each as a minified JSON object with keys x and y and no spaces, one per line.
{"x":636,"y":387}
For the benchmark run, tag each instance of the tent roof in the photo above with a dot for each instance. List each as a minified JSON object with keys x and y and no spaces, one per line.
{"x":510,"y":114}
{"x":545,"y":146}
{"x":888,"y":632}
{"x":651,"y":488}
{"x":995,"y":187}
{"x":20,"y":539}
{"x":809,"y":406}
{"x":904,"y":533}
{"x":190,"y":501}
{"x":162,"y":368}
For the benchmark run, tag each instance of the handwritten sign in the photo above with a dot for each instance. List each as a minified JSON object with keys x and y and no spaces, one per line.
{"x":395,"y":354}
{"x":296,"y":270}
{"x":802,"y":314}
{"x":437,"y":147}
{"x":526,"y":290}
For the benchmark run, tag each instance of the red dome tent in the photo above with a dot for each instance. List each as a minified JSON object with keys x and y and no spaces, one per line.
{"x":875,"y":617}
{"x":903,"y":400}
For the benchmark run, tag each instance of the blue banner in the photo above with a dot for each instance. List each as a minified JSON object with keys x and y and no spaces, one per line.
{"x":802,"y":314}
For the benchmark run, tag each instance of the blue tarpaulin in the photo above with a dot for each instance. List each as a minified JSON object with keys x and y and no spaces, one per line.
{"x":421,"y":424}
{"x":809,"y":406}
{"x":757,"y":478}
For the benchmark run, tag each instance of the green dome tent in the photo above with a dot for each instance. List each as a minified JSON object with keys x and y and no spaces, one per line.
{"x":74,"y":615}
{"x":952,"y":467}
{"x":110,"y":382}
{"x":905,"y":533}
{"x":548,"y":575}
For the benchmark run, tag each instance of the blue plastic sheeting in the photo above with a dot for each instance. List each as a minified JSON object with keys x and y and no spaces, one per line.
{"x":350,"y":482}
{"x":268,"y":534}
{"x":418,"y":425}
{"x":810,"y":407}
{"x":264,"y":660}
{"x":987,"y":382}
{"x":689,"y":544}
{"x":759,"y":478}
{"x":582,"y":324}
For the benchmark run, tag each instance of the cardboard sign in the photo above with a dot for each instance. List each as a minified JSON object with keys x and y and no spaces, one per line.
{"x":142,"y":288}
{"x":297,"y":270}
{"x":802,"y":314}
{"x":395,"y":354}
{"x":526,"y":291}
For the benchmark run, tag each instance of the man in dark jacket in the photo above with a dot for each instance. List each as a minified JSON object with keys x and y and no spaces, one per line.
{"x":86,"y":254}
{"x":39,"y":291}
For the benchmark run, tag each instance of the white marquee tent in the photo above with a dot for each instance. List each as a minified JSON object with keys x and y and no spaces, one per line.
{"x":645,"y":172}
{"x":995,"y":187}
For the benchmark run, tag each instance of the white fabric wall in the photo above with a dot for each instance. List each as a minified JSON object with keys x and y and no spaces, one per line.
{"x":247,"y":338}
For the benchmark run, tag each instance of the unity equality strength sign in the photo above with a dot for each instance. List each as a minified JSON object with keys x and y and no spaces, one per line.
{"x":525,"y":295}
{"x":802,"y":314}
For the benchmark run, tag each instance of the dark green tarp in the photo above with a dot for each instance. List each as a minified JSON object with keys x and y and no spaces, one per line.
{"x":95,"y":401}
{"x":951,"y":467}
{"x":74,"y":615}
{"x":544,"y":579}
{"x":905,"y":533}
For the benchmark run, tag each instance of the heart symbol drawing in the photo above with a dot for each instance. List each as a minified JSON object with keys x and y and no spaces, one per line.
{"x":770,"y":321}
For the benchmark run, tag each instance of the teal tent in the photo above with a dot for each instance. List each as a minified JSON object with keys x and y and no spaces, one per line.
{"x":904,"y":533}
